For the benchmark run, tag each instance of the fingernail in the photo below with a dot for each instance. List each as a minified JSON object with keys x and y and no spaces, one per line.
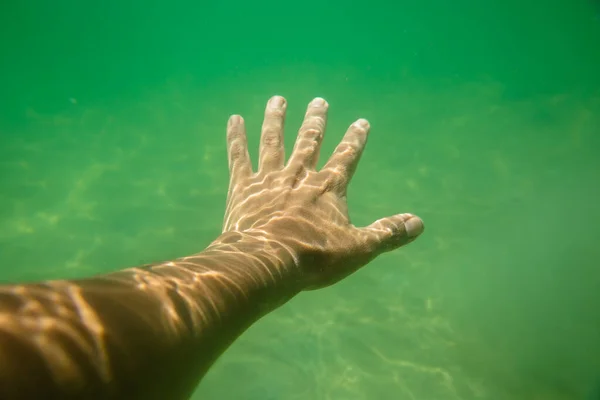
{"x":414,"y":226}
{"x":235,"y":120}
{"x":318,"y":102}
{"x":276,"y":102}
{"x":363,"y":123}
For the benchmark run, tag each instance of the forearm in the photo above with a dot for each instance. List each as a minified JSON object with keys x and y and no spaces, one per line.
{"x":147,"y":332}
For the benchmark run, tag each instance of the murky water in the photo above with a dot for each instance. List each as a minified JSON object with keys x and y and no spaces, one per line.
{"x":485,"y":122}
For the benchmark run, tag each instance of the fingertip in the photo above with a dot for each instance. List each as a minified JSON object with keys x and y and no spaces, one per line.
{"x":235,"y":119}
{"x":319,"y":102}
{"x":276,"y":102}
{"x":363,"y":124}
{"x":392,"y":232}
{"x":414,"y":226}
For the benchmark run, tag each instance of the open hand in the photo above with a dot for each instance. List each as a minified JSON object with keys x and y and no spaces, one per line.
{"x":301,"y":208}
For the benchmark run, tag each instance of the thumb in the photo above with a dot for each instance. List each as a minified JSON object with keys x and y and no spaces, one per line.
{"x":389,"y":233}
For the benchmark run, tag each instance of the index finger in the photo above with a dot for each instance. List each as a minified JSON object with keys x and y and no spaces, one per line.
{"x":342,"y":163}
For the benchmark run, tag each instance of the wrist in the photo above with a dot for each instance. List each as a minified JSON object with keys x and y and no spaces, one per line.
{"x":265,"y":272}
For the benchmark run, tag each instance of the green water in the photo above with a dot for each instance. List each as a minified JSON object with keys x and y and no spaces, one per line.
{"x":485,"y":122}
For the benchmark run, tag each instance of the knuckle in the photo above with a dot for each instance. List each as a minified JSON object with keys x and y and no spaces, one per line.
{"x":271,"y":139}
{"x":314,"y":121}
{"x":236,"y":151}
{"x":276,"y":113}
{"x":234,"y":134}
{"x":311,"y":133}
{"x":348,"y":150}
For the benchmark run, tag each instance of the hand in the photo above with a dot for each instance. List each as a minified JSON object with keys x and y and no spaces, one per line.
{"x":301,"y":208}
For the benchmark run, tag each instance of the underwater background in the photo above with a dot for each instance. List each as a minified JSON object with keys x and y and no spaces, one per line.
{"x":485,"y":121}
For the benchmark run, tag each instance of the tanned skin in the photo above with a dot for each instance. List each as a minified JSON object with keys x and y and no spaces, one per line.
{"x":152,"y":332}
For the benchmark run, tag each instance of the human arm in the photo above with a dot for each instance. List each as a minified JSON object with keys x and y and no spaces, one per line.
{"x":152,"y":332}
